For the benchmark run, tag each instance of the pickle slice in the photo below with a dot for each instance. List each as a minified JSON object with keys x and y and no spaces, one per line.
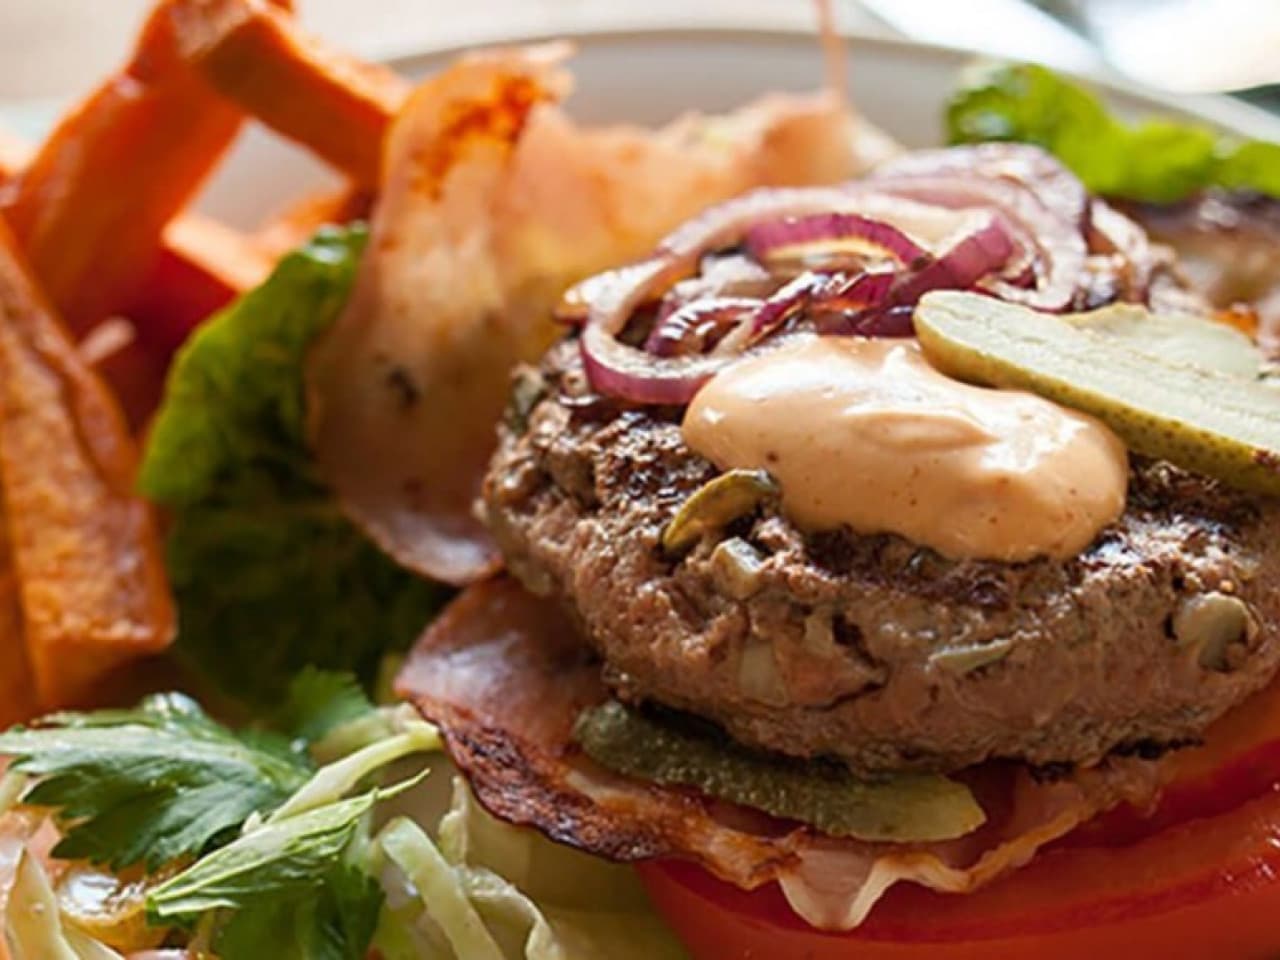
{"x":1214,"y":423}
{"x":1175,"y":338}
{"x":917,"y":807}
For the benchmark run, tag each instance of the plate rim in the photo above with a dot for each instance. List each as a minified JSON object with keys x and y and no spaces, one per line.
{"x":1232,"y":116}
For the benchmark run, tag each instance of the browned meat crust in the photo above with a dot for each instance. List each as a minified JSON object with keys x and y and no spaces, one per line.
{"x":869,"y":647}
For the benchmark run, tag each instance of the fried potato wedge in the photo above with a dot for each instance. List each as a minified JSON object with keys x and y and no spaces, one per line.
{"x":493,"y":202}
{"x":333,"y":104}
{"x":90,"y":575}
{"x":91,"y":207}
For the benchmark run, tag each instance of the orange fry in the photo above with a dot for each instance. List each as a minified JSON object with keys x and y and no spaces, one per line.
{"x":201,"y":267}
{"x":17,"y":691}
{"x":91,"y":580}
{"x":90,"y":208}
{"x":336,"y":105}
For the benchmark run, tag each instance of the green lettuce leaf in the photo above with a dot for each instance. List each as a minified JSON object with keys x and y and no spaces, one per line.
{"x":1155,"y":161}
{"x":270,"y":576}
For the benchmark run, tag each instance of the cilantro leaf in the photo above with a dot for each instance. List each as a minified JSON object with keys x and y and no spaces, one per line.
{"x":150,"y":785}
{"x":320,"y":701}
{"x":1157,"y":161}
{"x":269,"y":574}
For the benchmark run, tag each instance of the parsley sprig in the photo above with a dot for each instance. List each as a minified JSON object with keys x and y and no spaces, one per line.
{"x":153,"y":785}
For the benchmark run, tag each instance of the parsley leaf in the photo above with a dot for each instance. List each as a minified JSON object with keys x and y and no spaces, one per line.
{"x":335,"y":921}
{"x":320,"y":701}
{"x":289,"y":888}
{"x":150,"y":785}
{"x":280,"y":859}
{"x":269,"y":574}
{"x":1156,"y":161}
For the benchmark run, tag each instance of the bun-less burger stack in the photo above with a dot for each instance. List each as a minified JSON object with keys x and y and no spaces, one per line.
{"x":891,"y":567}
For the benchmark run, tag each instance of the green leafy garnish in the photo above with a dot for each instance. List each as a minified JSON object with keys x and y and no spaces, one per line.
{"x":270,"y":576}
{"x":280,"y":859}
{"x":289,"y":888}
{"x":151,"y":785}
{"x":1156,"y":161}
{"x":334,"y":921}
{"x":320,"y":701}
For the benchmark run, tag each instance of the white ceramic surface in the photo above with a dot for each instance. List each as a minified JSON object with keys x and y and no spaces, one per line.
{"x":651,"y":75}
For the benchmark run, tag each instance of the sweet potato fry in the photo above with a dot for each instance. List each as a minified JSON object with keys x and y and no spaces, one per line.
{"x":201,"y":267}
{"x":91,"y":582}
{"x":17,"y":689}
{"x":90,"y":208}
{"x":336,"y":105}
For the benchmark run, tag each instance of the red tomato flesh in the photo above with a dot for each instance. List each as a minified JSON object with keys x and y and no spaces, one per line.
{"x":1208,"y":888}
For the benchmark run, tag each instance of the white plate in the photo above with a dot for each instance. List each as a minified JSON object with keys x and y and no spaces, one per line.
{"x":651,"y":75}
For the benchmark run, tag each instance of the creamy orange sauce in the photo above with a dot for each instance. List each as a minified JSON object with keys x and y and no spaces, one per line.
{"x":865,"y":433}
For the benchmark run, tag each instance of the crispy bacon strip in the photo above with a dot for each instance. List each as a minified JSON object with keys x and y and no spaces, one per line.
{"x":90,"y":209}
{"x":333,"y":104}
{"x":90,"y":576}
{"x":505,"y":676}
{"x":435,"y":362}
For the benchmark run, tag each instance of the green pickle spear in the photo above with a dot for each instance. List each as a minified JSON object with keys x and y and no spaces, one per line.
{"x":1222,"y":425}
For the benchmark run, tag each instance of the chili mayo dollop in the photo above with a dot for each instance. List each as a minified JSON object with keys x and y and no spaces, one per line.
{"x":866,"y":434}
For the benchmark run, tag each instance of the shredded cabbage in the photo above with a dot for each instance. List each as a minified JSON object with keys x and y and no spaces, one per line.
{"x":536,"y":900}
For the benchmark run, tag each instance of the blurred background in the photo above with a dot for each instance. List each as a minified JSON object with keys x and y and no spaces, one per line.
{"x":50,"y":49}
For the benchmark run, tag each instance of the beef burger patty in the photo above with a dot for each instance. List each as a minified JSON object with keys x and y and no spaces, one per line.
{"x":871,"y":648}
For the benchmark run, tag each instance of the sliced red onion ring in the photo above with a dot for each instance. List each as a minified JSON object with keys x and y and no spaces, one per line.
{"x":978,"y":254}
{"x":1028,"y":246}
{"x":832,"y":233}
{"x":787,"y":302}
{"x":694,"y":326}
{"x":1026,"y":165}
{"x":1050,"y":246}
{"x":618,"y":370}
{"x":836,"y":301}
{"x":1126,"y":238}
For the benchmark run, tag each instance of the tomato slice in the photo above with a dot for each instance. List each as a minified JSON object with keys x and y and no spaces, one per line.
{"x":1238,"y":761}
{"x":1207,"y":888}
